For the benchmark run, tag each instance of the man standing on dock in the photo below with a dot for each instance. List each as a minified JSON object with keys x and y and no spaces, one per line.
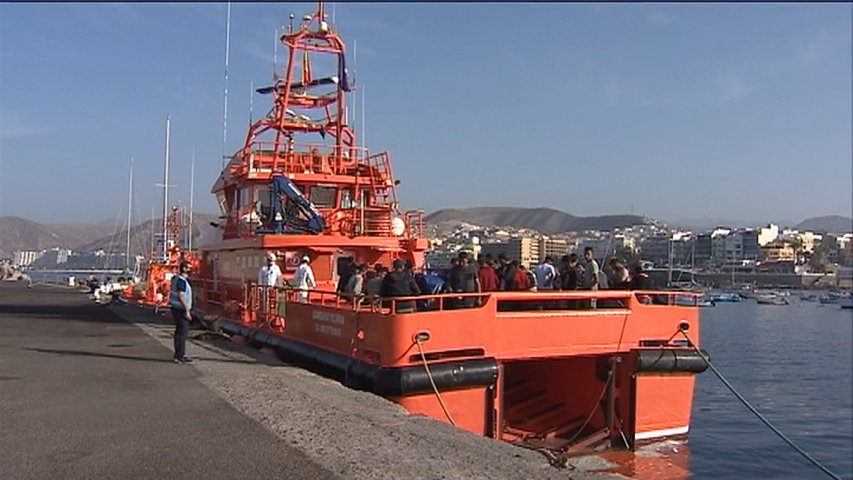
{"x":181,"y":303}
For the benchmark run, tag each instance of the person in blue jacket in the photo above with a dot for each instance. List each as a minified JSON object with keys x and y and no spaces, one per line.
{"x":181,"y":304}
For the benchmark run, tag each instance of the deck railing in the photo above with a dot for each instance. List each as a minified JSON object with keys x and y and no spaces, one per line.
{"x":267,"y":306}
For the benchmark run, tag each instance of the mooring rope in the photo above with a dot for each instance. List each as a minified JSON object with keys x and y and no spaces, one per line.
{"x":432,"y":382}
{"x":603,"y":390}
{"x":755,"y":411}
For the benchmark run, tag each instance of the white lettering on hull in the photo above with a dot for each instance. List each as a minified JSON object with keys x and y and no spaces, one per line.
{"x":323,"y":318}
{"x":327,"y":330}
{"x":328,"y":317}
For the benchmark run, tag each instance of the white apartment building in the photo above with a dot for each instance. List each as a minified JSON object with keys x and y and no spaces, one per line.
{"x":25,"y":258}
{"x":767,"y":234}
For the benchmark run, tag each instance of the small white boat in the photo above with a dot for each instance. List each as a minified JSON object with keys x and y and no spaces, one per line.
{"x":830,"y":298}
{"x":771,"y":299}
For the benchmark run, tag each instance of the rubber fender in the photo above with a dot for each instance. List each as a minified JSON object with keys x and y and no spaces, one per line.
{"x":386,"y":381}
{"x":670,"y":360}
{"x":447,"y":376}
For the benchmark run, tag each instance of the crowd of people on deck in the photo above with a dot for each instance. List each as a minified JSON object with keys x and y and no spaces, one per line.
{"x":466,"y":276}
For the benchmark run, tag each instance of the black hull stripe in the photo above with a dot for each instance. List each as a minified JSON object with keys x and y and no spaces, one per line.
{"x":384,"y":381}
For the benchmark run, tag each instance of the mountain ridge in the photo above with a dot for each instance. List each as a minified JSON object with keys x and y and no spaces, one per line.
{"x":542,"y":219}
{"x":18,"y":233}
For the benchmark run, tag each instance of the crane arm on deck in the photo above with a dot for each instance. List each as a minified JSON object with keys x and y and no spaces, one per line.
{"x":288,"y":220}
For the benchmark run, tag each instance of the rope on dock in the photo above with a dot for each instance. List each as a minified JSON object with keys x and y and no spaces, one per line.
{"x":755,"y":411}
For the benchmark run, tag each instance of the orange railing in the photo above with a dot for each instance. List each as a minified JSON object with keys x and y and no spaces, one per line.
{"x":266,"y":306}
{"x":302,"y":157}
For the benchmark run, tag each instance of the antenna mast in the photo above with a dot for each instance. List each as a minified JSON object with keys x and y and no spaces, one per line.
{"x":166,"y":191}
{"x":225,"y":107}
{"x":129,"y":205}
{"x":192,"y":182}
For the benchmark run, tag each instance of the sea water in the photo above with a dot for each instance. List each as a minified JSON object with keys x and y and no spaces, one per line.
{"x":794,"y":363}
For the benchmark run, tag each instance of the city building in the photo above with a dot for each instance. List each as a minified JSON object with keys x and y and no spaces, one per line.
{"x":702,"y":249}
{"x":749,"y":244}
{"x":25,"y":258}
{"x":555,"y":247}
{"x":778,"y":251}
{"x":767,"y":234}
{"x":524,"y":249}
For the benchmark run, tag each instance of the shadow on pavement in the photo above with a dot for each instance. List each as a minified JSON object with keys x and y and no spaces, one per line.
{"x":128,"y":357}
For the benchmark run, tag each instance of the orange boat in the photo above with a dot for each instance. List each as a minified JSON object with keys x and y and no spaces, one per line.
{"x":153,"y":289}
{"x":525,"y":367}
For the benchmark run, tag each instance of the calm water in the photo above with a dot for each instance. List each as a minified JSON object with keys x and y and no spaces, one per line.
{"x":794,"y":364}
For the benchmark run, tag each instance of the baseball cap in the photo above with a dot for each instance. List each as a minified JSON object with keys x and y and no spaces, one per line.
{"x":306,"y":259}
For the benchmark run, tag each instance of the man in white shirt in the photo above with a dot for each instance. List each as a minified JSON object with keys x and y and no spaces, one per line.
{"x":270,"y":274}
{"x":303,"y":280}
{"x":545,"y":274}
{"x":591,"y":272}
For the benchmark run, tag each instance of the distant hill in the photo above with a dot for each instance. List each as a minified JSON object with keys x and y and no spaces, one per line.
{"x":829,"y":223}
{"x":21,"y":234}
{"x":141,"y":236}
{"x":545,"y":220}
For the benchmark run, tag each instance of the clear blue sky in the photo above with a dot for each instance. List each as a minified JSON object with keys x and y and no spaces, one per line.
{"x":674,"y":111}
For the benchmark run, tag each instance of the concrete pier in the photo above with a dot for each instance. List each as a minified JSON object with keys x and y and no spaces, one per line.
{"x":90,"y":391}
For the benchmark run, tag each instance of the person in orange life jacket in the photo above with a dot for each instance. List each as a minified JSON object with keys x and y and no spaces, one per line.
{"x":181,"y":304}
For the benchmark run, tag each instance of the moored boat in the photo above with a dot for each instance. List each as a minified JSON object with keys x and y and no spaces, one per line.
{"x":556,"y":370}
{"x":771,"y":299}
{"x":725,"y":297}
{"x":153,"y":289}
{"x":706,"y":301}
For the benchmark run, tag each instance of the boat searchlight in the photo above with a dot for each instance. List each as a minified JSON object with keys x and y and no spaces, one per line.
{"x":398,"y":226}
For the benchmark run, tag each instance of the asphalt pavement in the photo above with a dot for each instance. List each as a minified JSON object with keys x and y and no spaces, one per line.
{"x":86,"y":395}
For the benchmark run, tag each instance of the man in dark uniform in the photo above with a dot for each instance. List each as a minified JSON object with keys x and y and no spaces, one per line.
{"x":399,"y":283}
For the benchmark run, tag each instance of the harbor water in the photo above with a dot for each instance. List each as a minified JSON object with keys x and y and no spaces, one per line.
{"x":794,"y":363}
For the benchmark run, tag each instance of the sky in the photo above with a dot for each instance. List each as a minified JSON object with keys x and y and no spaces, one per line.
{"x":674,"y":111}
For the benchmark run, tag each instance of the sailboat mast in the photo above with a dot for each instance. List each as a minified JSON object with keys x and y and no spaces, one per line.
{"x":192,"y":183}
{"x":165,"y":251}
{"x":669,"y":265}
{"x":129,"y":206}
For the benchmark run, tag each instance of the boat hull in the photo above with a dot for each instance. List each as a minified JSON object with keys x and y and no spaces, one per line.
{"x":495,"y":375}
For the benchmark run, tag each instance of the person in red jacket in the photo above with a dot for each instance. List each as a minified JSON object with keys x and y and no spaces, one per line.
{"x":489,"y":281}
{"x":521,"y":281}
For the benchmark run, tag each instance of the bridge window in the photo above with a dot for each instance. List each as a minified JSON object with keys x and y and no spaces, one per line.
{"x":322,"y":197}
{"x":346,"y":199}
